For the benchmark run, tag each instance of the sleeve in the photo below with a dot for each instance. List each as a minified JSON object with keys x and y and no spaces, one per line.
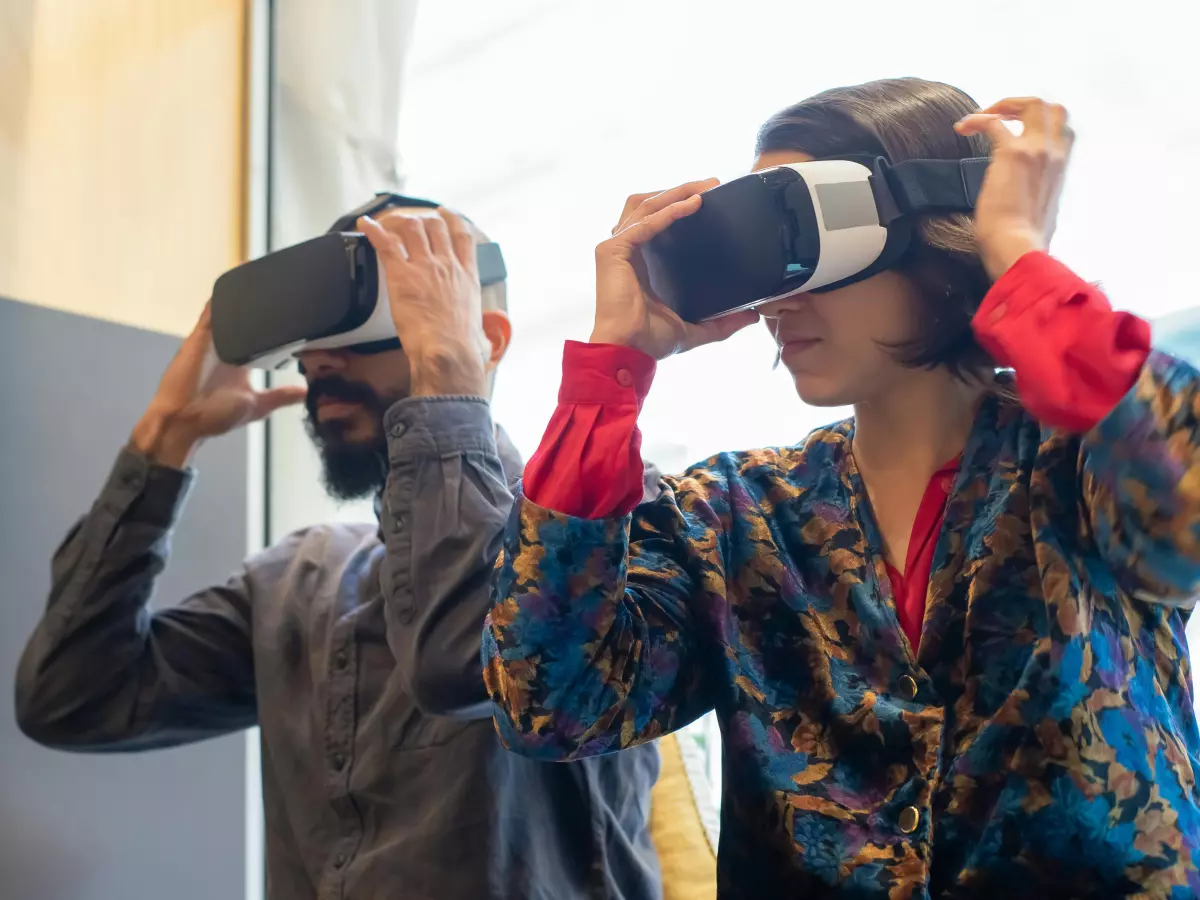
{"x":103,"y":672}
{"x":589,"y":463}
{"x":445,"y":507}
{"x":596,"y":640}
{"x":1085,"y":368}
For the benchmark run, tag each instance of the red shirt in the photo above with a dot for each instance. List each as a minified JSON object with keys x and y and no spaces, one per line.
{"x":1074,"y":358}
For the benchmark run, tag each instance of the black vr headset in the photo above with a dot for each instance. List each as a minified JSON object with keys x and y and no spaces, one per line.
{"x":809,"y":226}
{"x":324,"y":293}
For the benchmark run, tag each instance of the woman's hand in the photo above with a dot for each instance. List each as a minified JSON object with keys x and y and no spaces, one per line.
{"x":626,"y":312}
{"x":1018,"y":203}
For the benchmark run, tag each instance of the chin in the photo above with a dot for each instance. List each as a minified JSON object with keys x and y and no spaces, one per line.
{"x":820,"y":392}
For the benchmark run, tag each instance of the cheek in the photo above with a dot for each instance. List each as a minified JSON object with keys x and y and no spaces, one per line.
{"x":387,"y":373}
{"x":860,"y":321}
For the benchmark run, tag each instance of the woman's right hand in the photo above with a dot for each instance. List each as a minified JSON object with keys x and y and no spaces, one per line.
{"x":626,"y":312}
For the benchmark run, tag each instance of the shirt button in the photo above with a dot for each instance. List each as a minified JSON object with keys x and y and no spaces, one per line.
{"x":910,"y":817}
{"x":339,"y":861}
{"x":340,"y":659}
{"x":339,"y":762}
{"x":908,"y":687}
{"x":624,"y":378}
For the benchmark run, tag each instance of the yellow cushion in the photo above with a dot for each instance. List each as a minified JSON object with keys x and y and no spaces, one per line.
{"x":688,"y":860}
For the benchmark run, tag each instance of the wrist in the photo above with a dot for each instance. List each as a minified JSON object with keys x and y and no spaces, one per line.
{"x":161,"y":441}
{"x":1001,"y":253}
{"x":448,"y":373}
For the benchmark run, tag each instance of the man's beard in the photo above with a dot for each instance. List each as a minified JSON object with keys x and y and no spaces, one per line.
{"x":352,"y":469}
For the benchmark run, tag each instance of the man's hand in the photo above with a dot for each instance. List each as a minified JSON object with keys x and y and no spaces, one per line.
{"x":433,"y":288}
{"x":191,"y":405}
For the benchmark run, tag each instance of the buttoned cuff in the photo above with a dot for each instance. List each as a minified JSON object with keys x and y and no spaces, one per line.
{"x":144,"y":491}
{"x":605,"y":374}
{"x":439,"y":426}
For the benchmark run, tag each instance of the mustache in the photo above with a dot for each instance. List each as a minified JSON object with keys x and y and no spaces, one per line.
{"x":333,"y":387}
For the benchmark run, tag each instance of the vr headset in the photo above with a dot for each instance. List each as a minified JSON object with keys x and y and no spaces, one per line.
{"x":809,"y":226}
{"x":320,"y":294}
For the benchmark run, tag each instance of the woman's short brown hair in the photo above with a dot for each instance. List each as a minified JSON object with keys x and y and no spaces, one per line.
{"x":907,"y":118}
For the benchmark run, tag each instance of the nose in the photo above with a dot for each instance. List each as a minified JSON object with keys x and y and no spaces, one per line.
{"x":776,"y":308}
{"x":315,"y":363}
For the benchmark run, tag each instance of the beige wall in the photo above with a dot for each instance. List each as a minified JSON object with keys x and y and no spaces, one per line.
{"x":121,"y":154}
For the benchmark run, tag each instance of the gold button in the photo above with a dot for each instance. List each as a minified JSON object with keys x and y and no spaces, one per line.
{"x":909,"y":819}
{"x":908,"y":687}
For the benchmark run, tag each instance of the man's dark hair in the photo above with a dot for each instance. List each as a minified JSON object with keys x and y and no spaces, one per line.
{"x":907,"y":118}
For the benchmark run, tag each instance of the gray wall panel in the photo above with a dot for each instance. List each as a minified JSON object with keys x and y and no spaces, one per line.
{"x":121,"y":827}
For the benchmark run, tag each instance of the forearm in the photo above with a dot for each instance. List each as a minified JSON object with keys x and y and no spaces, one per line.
{"x":589,"y":461}
{"x":99,"y":671}
{"x":1085,"y":368}
{"x":443,"y":516}
{"x":591,"y":646}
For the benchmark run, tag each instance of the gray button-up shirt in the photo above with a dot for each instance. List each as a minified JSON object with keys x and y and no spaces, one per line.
{"x":356,"y":649}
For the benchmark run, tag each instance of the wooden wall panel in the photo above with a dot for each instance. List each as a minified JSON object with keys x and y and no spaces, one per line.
{"x":122,"y":141}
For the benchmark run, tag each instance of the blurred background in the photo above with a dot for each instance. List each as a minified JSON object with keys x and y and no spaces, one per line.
{"x":147,"y":146}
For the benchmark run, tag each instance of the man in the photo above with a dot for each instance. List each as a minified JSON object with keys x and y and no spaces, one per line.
{"x":355,"y":648}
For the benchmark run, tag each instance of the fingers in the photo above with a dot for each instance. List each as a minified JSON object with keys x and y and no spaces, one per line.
{"x":631,"y":205}
{"x":266,"y":402}
{"x":1039,"y":120}
{"x":387,"y":245}
{"x":411,"y":231}
{"x":661,"y":201}
{"x":461,"y":239}
{"x":641,"y":231}
{"x":989,"y":125}
{"x":726,"y":326}
{"x":1013,"y":107}
{"x":437,"y":232}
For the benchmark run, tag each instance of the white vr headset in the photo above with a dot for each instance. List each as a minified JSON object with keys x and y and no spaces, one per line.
{"x":325,"y":293}
{"x":809,"y":226}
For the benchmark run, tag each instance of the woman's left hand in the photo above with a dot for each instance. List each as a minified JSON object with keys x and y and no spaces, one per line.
{"x":1018,"y":202}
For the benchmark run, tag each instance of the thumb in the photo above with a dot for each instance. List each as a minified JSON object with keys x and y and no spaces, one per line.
{"x":726,"y":326}
{"x":266,"y":402}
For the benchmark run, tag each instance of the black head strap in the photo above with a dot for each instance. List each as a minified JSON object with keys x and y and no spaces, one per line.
{"x":935,"y":185}
{"x":488,"y":258}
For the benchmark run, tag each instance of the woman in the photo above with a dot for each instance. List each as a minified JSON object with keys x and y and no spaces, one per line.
{"x":945,"y":638}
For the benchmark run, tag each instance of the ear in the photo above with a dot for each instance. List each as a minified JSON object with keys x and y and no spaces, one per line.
{"x":497,"y":328}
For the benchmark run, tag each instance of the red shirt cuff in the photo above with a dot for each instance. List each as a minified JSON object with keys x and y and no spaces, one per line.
{"x":1074,"y":356}
{"x":607,"y":374}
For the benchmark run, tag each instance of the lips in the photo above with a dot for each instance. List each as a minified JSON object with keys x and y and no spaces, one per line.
{"x":329,"y":406}
{"x":798,"y":343}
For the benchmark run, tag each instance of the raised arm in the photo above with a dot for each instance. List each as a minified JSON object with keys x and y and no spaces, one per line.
{"x":104,"y":672}
{"x":598,"y":639}
{"x":1086,"y":369}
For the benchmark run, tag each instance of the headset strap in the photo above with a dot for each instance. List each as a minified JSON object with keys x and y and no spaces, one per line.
{"x":936,"y":185}
{"x":489,"y":260}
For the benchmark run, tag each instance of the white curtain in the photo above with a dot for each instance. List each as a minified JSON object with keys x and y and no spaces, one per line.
{"x":339,"y":85}
{"x":339,"y":73}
